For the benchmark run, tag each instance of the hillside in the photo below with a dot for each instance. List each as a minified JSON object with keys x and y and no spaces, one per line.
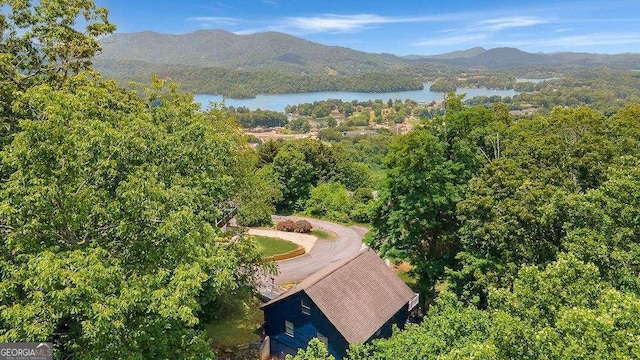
{"x":268,"y":50}
{"x":506,"y":57}
{"x":239,"y":66}
{"x":450,"y":55}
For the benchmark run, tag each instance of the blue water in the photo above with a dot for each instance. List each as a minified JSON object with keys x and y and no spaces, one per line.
{"x":280,"y":101}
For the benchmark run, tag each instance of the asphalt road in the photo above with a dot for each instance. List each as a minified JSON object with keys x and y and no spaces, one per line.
{"x":347,"y":241}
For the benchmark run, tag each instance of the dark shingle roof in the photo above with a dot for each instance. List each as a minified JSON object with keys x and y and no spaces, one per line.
{"x":357,"y":294}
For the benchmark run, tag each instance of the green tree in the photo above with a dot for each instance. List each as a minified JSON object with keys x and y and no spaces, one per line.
{"x":295,"y":176}
{"x":268,"y":150}
{"x":427,"y":176}
{"x":329,"y":200}
{"x":603,"y":225}
{"x":563,"y":311}
{"x":299,"y":125}
{"x":44,"y":42}
{"x":109,"y":243}
{"x":315,"y":350}
{"x":515,"y":211}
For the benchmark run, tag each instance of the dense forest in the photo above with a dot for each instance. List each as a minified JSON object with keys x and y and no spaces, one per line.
{"x":523,"y":234}
{"x":109,"y":200}
{"x":522,"y":231}
{"x":238,"y":84}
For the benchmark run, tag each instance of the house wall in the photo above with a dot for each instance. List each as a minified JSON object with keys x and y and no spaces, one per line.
{"x":306,"y":327}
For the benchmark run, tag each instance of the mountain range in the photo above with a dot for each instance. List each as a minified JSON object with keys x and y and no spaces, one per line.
{"x":286,"y":53}
{"x":219,"y":48}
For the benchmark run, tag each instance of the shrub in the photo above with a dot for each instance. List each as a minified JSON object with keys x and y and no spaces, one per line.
{"x":360,"y":213}
{"x":363,"y":195}
{"x":302,"y":226}
{"x":286,"y":225}
{"x":329,"y":198}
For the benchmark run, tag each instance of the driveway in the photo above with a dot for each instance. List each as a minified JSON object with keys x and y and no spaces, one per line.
{"x":346,"y":241}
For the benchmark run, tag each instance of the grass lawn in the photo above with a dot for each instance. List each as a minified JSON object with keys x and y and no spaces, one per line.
{"x":402,"y":270}
{"x":271,"y":246}
{"x":238,"y":327}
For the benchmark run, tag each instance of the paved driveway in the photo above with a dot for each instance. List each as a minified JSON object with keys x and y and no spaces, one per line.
{"x":347,"y":241}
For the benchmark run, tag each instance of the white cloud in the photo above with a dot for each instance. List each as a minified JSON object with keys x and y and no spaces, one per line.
{"x":352,"y":23}
{"x":509,"y":22}
{"x":480,"y":30}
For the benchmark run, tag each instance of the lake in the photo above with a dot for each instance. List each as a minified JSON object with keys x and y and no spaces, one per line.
{"x":279,"y":101}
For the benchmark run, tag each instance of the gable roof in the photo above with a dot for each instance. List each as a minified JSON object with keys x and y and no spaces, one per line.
{"x":357,"y":294}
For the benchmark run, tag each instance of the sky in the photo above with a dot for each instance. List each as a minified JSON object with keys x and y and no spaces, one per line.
{"x":402,"y":27}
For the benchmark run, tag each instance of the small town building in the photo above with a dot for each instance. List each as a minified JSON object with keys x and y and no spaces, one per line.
{"x":354,"y":300}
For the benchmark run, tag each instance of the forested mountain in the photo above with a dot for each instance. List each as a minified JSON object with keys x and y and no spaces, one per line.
{"x":286,"y":53}
{"x":268,"y":50}
{"x":242,"y":66}
{"x":510,"y":57}
{"x":450,"y":55}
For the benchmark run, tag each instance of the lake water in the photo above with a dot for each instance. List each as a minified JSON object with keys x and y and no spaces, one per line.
{"x":280,"y":101}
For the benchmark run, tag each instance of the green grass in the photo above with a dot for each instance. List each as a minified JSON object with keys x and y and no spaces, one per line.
{"x":271,"y":246}
{"x":409,"y":280}
{"x":322,"y":234}
{"x":238,"y":327}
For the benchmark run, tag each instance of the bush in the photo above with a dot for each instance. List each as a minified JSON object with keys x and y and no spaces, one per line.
{"x":363,"y":195}
{"x":329,"y":200}
{"x":286,"y":225}
{"x":302,"y":226}
{"x":360,"y":213}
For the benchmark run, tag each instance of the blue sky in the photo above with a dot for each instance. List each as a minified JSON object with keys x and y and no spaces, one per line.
{"x":402,"y":26}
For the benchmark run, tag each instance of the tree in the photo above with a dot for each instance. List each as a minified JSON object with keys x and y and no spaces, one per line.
{"x":603,"y":226}
{"x":299,"y":125}
{"x":109,"y":240}
{"x":565,"y":310}
{"x":45,"y":42}
{"x":518,"y":205}
{"x":316,"y":350}
{"x":414,"y":218}
{"x":329,"y":200}
{"x":268,"y":150}
{"x":260,"y":192}
{"x":295,"y":176}
{"x":428,"y":174}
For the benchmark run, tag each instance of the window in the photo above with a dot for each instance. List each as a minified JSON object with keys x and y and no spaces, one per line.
{"x":288,"y":328}
{"x":306,"y":308}
{"x":323,"y":339}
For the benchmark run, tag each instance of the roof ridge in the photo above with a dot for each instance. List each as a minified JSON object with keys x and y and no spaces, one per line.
{"x":345,"y":261}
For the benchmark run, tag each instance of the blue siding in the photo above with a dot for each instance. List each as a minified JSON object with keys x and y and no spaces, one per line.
{"x":307,"y":327}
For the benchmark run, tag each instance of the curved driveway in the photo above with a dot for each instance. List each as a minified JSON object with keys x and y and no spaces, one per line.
{"x":324,"y":252}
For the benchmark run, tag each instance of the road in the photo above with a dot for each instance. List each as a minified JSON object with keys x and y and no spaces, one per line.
{"x":347,"y":241}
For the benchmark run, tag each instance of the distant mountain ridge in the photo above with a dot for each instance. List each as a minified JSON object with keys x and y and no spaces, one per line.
{"x":468,"y":53}
{"x":286,"y":53}
{"x":268,"y":50}
{"x":220,"y":62}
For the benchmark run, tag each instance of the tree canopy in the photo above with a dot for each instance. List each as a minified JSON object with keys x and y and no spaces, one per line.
{"x":109,"y":199}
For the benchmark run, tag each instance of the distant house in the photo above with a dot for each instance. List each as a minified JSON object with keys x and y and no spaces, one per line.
{"x":354,"y":300}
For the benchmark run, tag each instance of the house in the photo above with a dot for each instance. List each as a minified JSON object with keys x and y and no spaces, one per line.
{"x":354,"y":300}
